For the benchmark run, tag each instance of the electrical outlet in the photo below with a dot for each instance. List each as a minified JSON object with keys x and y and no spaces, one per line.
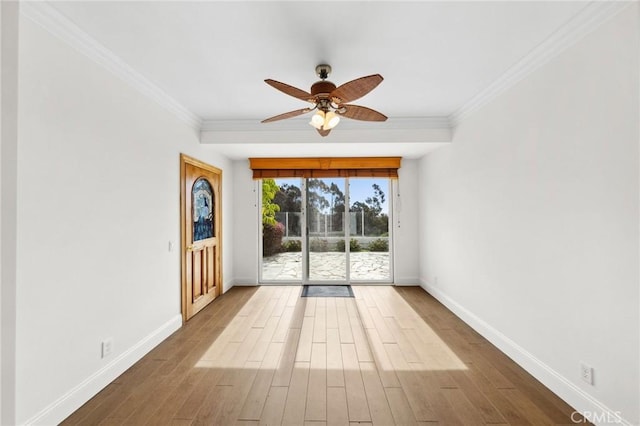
{"x":107,"y":347}
{"x":586,"y":372}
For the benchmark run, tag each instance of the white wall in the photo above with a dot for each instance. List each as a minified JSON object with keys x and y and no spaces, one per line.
{"x":529,"y":220}
{"x":405,"y":225}
{"x":8,"y":219}
{"x":98,"y":203}
{"x":245,"y":231}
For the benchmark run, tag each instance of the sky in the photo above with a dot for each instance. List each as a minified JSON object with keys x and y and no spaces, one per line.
{"x":359,"y":188}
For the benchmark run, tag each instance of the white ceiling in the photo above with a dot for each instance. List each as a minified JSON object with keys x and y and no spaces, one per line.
{"x":212,"y":57}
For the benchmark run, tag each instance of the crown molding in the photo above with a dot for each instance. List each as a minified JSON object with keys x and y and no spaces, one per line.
{"x":57,"y":24}
{"x":587,"y":20}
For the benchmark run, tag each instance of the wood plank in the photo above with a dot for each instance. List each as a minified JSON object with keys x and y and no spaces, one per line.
{"x":335,"y":371}
{"x":380,"y":296}
{"x":310,"y":306}
{"x":365,"y":315}
{"x":233,"y":401}
{"x":354,"y":386}
{"x":400,"y":408}
{"x":412,"y":386}
{"x":283,"y":373}
{"x":240,"y":358}
{"x":524,"y":405}
{"x":320,"y":321}
{"x":260,"y":349}
{"x":259,"y":391}
{"x":376,"y":398}
{"x":281,"y":304}
{"x":306,"y":340}
{"x":294,"y":296}
{"x":297,"y":396}
{"x":274,"y":406}
{"x":265,"y":313}
{"x":332,"y":313}
{"x":487,"y":411}
{"x":463,"y":408}
{"x":337,"y":411}
{"x":381,"y":326}
{"x":316,"y":407}
{"x":344,"y":325}
{"x":280,"y":333}
{"x":360,"y":341}
{"x":386,"y":370}
{"x":400,"y":336}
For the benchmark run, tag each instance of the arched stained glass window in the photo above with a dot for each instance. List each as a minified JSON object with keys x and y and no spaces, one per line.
{"x":202,"y":199}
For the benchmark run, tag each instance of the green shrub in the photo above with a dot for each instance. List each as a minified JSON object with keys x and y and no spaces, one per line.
{"x":269,"y":208}
{"x":292,"y":245}
{"x":379,"y":245}
{"x":318,"y":245}
{"x":272,"y":238}
{"x":354,"y":245}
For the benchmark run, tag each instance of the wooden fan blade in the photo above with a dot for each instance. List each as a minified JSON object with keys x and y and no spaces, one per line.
{"x":355,"y":89}
{"x":290,"y":90}
{"x":324,"y":133}
{"x":356,"y":112}
{"x":287,"y":115}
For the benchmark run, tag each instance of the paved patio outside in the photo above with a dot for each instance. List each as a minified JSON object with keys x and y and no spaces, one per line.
{"x":327,"y":266}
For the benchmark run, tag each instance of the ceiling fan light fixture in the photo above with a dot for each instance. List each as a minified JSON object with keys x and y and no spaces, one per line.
{"x":318,"y":119}
{"x":331,"y":120}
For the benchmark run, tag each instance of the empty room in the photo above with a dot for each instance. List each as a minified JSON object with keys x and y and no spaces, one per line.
{"x":320,"y":213}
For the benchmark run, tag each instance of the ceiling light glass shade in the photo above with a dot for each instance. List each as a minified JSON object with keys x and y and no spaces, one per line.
{"x":317,"y":120}
{"x":331,"y":120}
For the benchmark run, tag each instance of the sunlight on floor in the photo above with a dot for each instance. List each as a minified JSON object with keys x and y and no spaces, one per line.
{"x":378,"y":325}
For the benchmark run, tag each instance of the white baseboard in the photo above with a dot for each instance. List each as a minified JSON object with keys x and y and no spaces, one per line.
{"x":244,"y":282}
{"x":407,"y":282}
{"x":581,"y":401}
{"x":227,"y":285}
{"x":76,"y":397}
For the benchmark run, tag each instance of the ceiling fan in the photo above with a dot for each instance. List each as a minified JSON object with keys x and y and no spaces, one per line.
{"x":331,"y":102}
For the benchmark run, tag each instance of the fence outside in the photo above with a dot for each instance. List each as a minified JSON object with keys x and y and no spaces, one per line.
{"x":324,"y":225}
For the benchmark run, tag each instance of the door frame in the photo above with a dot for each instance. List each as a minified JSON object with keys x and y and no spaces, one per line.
{"x":184,"y":216}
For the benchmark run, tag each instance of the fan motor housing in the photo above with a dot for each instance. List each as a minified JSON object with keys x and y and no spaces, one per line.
{"x":322,"y":87}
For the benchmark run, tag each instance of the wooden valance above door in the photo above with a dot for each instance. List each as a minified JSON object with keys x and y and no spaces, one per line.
{"x":321,"y":167}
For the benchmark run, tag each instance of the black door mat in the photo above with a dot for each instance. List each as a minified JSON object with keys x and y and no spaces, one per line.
{"x":327,"y":291}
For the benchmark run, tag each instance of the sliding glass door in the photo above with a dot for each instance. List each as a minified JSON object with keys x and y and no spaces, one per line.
{"x":369,"y":258}
{"x":282,"y":230}
{"x":326,"y":230}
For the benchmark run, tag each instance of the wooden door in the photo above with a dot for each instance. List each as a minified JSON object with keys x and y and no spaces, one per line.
{"x":200,"y":198}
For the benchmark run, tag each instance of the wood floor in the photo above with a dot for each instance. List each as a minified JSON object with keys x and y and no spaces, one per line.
{"x":265,"y":356}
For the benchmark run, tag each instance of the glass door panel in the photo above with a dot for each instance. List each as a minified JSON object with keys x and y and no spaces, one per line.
{"x":282,"y":227}
{"x":326,"y":230}
{"x":369,"y":257}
